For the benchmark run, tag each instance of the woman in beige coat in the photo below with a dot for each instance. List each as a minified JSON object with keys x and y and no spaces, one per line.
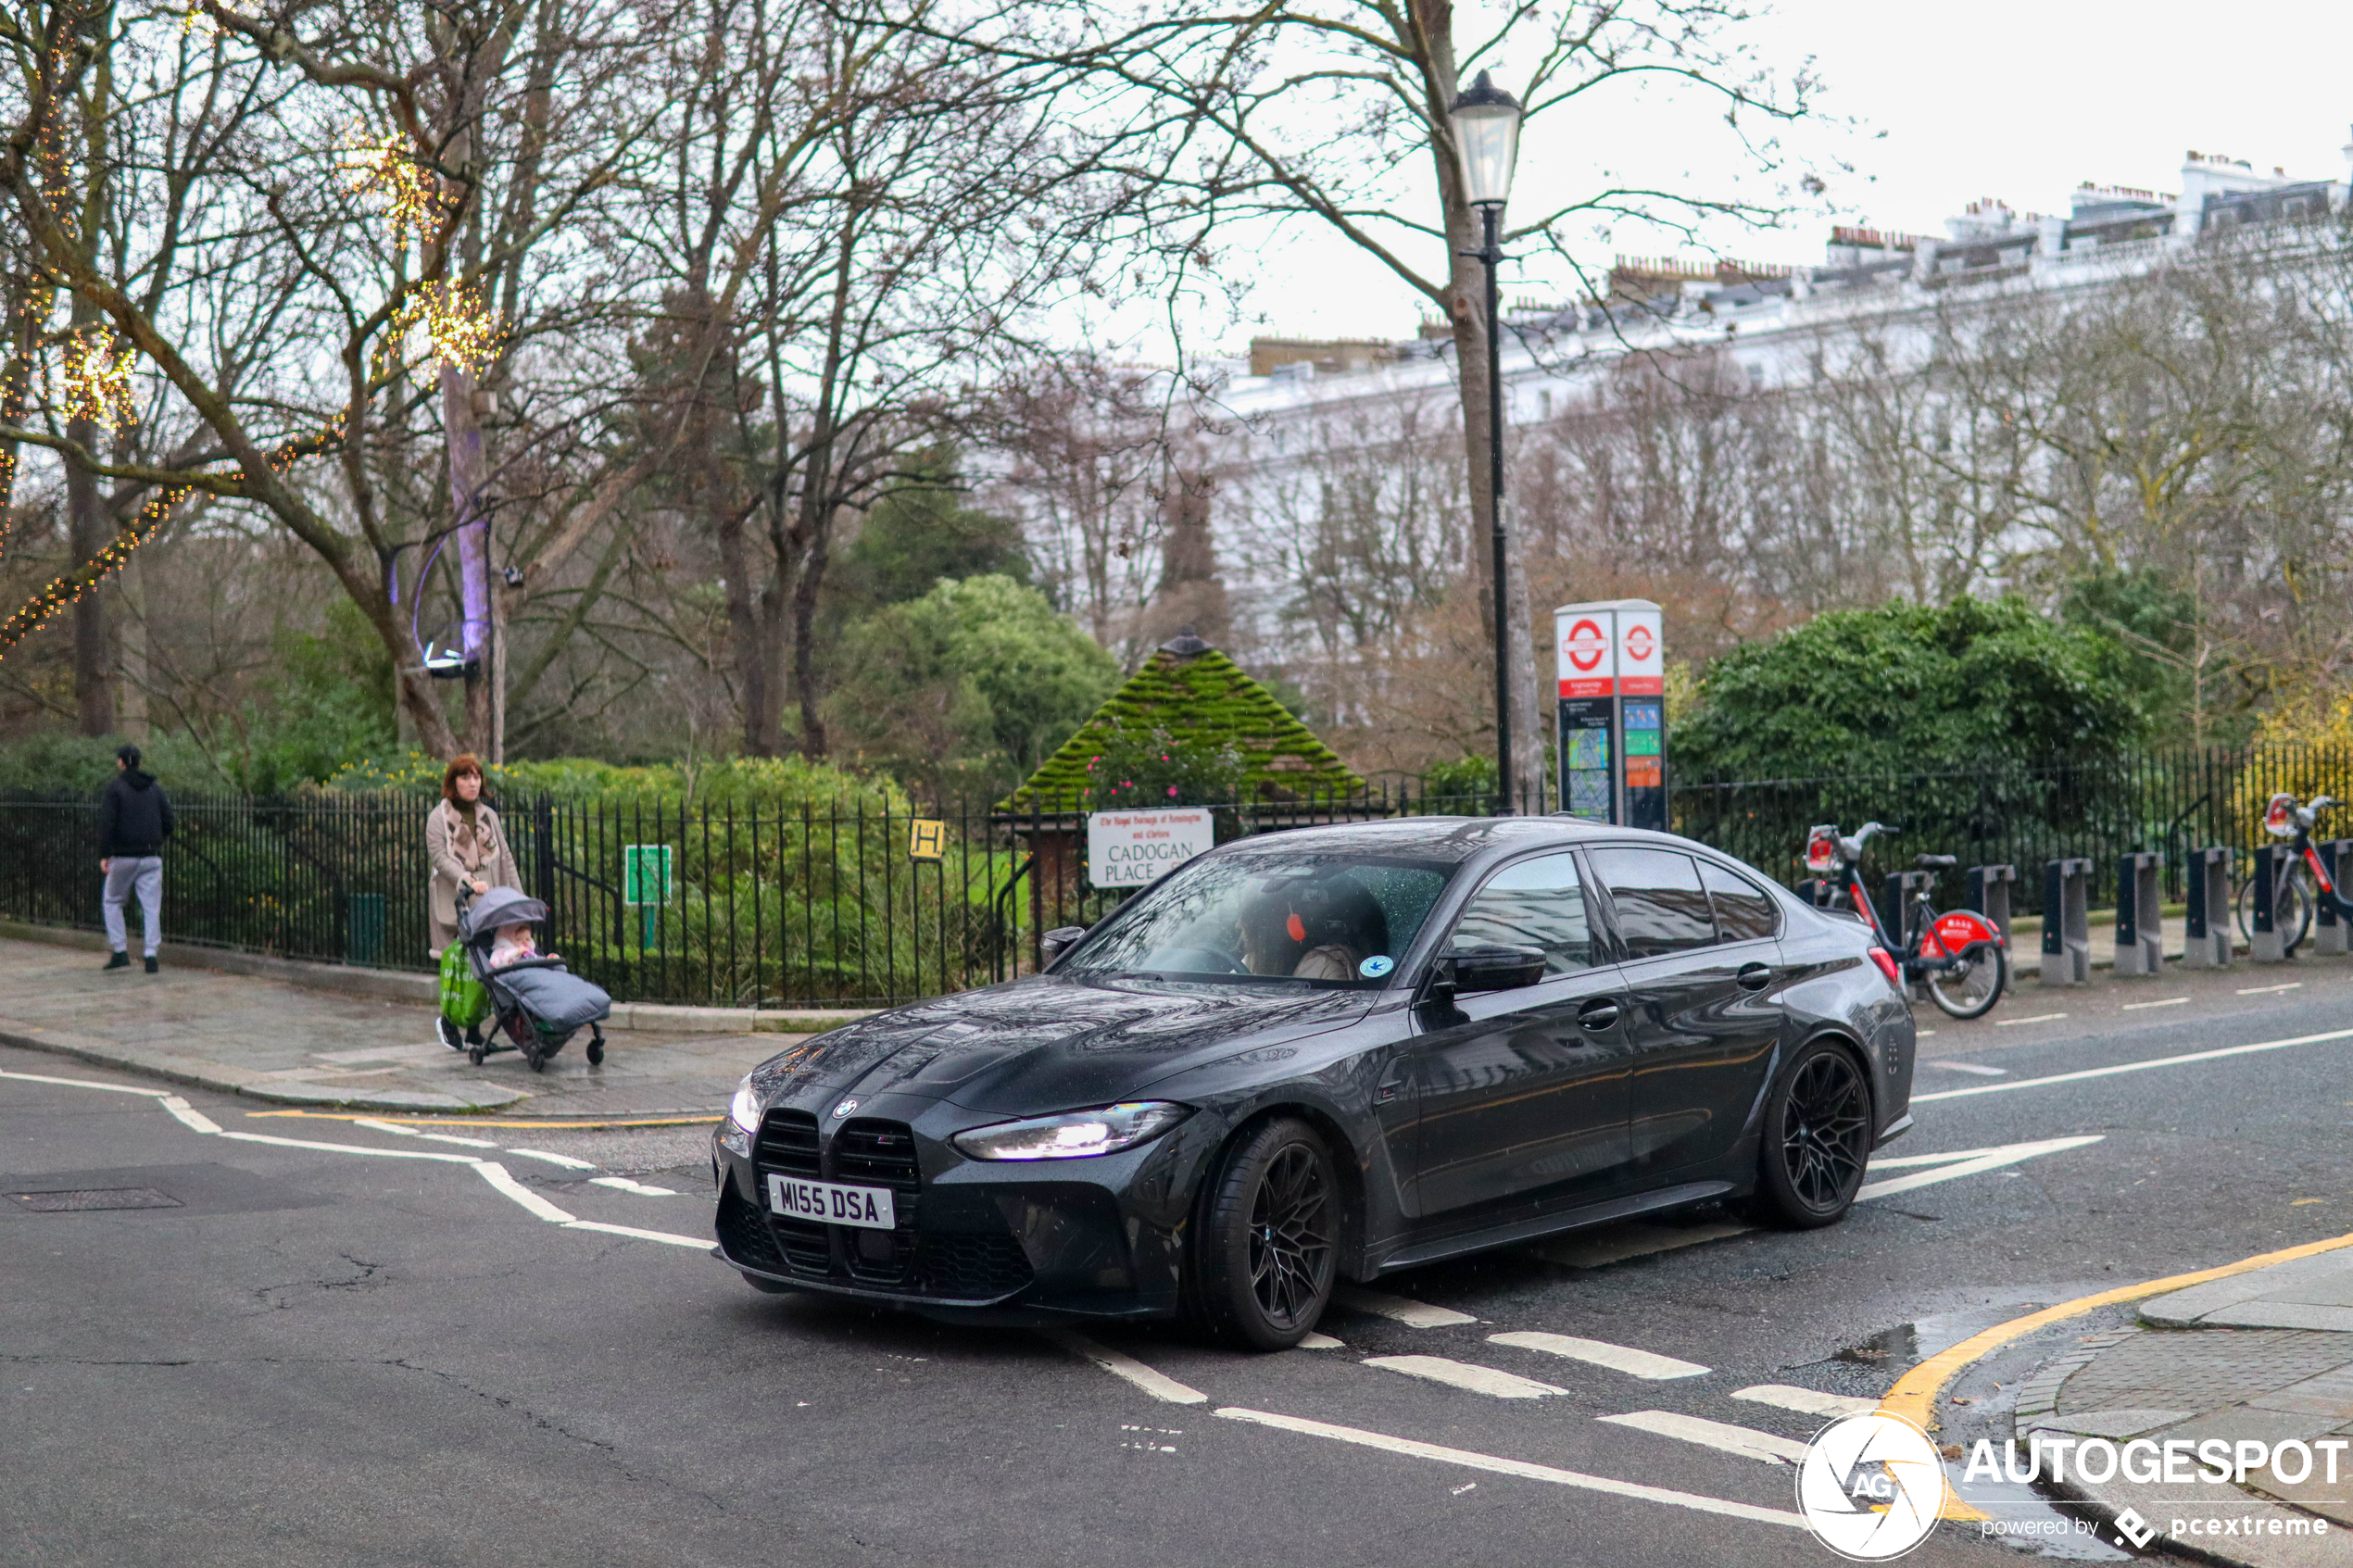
{"x":465,"y":844}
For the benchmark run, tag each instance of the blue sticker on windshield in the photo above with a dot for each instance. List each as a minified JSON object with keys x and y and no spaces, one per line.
{"x":1377,"y":966}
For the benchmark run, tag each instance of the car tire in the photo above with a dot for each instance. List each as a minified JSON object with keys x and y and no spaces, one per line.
{"x":1264,"y":1253}
{"x":1817,"y":1139}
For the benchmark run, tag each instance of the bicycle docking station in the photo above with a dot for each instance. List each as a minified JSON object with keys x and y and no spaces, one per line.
{"x":1989,"y":895}
{"x":2208,"y":944}
{"x":2140,"y":913}
{"x":2067,"y":922}
{"x":2265,"y":943}
{"x":2331,"y":934}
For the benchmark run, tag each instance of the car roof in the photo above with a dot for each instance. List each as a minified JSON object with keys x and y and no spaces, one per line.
{"x":1451,"y":838}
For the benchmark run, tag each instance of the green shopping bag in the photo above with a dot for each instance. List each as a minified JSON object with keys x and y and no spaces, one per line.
{"x":464,"y":1002}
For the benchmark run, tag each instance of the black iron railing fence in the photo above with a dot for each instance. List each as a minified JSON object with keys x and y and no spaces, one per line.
{"x":791,"y":906}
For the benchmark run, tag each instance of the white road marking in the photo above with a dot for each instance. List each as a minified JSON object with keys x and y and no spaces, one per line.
{"x":2160,"y":1002}
{"x":491,"y":1171}
{"x":1964,"y":1162}
{"x":1805,"y":1401}
{"x":1128,"y":1368}
{"x":188,"y":1115}
{"x":700,"y":1243}
{"x":566,"y":1161}
{"x":623,"y":1184}
{"x":2038,"y":1018}
{"x":1923,"y":1033}
{"x":1501,"y":1466}
{"x":1321,"y":1342}
{"x":1749,"y":1443}
{"x":1412,"y":1314}
{"x":353,"y":1148}
{"x":1617,"y":1358}
{"x":1975,"y":1067}
{"x":495,"y":1174}
{"x":2267,"y":990}
{"x":412,"y":1133}
{"x":1466,"y":1376}
{"x":2183,"y":1060}
{"x":80,"y":1083}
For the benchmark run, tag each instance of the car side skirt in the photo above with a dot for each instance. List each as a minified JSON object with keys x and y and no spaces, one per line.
{"x":1414,"y":1254}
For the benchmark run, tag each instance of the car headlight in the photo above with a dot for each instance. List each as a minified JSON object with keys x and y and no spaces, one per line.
{"x":1073,"y":1134}
{"x":744,"y":1110}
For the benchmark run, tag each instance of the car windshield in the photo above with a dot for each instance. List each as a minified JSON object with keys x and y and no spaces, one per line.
{"x":1331,"y":919}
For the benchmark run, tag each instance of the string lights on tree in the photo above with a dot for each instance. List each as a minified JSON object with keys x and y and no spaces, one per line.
{"x":98,"y":380}
{"x":448,"y":323}
{"x":382,"y":167}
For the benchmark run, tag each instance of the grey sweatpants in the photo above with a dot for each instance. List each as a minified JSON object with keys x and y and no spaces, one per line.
{"x":146,"y":873}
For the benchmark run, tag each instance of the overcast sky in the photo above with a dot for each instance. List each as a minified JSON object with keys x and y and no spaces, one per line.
{"x":2017,"y":99}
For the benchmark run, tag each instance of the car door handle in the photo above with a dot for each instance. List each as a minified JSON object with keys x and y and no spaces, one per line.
{"x":1597,"y":1015}
{"x":1755,"y":977}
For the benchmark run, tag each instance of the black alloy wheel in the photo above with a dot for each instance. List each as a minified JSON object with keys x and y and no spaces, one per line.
{"x":1264,"y":1258}
{"x":1818,"y":1140}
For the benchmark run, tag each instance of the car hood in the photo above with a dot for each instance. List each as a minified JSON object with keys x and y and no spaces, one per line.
{"x":1043,"y":1044}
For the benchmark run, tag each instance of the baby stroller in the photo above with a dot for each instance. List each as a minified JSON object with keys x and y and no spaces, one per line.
{"x":537,"y":1002}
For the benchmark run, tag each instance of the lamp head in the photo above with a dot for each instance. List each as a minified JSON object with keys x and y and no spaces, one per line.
{"x":1487,"y":140}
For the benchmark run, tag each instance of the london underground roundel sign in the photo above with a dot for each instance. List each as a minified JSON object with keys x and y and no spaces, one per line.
{"x":1638,"y":642}
{"x":1585,"y":645}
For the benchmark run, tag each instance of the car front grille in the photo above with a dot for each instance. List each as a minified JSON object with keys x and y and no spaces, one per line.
{"x":966,"y":1253}
{"x":788,"y":1146}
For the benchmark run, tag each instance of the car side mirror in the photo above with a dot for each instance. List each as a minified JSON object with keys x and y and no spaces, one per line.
{"x":1060,"y":940}
{"x":1496,"y":968}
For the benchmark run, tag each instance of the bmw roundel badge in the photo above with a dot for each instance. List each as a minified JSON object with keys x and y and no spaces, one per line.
{"x":845,"y":1108}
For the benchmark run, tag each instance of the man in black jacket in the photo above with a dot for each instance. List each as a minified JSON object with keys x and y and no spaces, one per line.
{"x":134,"y":818}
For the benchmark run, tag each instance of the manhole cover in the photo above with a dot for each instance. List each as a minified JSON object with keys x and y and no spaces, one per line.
{"x":83,"y":1200}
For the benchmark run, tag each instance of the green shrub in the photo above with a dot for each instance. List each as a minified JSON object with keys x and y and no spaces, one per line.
{"x":1909,"y":688}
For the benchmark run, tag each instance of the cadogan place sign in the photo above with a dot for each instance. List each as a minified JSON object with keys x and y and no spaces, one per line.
{"x":1130,"y":849}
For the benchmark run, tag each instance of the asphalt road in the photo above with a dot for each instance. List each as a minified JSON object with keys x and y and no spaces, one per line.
{"x":320,"y":1356}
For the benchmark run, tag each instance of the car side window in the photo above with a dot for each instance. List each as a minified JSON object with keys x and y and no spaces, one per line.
{"x":1538,"y":903}
{"x":1743,"y":910}
{"x":1660,"y":906}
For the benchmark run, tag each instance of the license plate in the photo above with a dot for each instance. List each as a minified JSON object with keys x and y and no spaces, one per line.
{"x":868,"y":1207}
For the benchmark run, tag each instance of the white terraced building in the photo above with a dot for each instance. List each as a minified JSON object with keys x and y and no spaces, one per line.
{"x":1308,"y":426}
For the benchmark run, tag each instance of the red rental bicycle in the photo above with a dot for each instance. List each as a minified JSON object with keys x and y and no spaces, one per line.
{"x":2300,"y":881}
{"x":1958,"y":955}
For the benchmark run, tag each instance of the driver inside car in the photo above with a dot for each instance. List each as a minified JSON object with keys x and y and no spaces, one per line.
{"x":1312,"y":931}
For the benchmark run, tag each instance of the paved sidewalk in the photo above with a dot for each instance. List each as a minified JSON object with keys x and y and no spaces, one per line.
{"x":2266,"y":1355}
{"x":298,"y":1046}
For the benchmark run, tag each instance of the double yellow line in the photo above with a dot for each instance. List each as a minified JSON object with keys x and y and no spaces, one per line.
{"x":1915,"y":1395}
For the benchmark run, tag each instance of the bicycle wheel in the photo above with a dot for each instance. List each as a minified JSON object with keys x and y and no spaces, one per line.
{"x":1971,"y":990}
{"x":2291,"y":909}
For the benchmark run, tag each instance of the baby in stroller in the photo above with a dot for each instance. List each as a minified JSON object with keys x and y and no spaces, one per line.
{"x":534,"y":1000}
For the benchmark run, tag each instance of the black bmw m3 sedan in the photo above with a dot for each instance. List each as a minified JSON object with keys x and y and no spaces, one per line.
{"x":1324,"y":1055}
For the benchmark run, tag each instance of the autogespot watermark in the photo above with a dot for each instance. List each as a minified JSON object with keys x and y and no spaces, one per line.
{"x":1872,"y":1487}
{"x":2057,"y":1460}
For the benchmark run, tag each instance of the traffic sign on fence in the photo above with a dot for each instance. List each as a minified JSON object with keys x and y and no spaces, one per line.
{"x":927,"y":840}
{"x":644,"y":874}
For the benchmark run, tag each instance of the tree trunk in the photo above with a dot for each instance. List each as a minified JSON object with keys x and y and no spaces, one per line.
{"x":817,"y":532}
{"x":132,"y":639}
{"x":749,"y":640}
{"x":468,"y":477}
{"x":87,"y":534}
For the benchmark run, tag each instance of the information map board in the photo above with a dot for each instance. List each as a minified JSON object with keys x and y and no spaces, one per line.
{"x":1613,"y":712}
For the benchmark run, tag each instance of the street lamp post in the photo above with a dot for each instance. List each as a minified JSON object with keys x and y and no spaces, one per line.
{"x":1486,"y":121}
